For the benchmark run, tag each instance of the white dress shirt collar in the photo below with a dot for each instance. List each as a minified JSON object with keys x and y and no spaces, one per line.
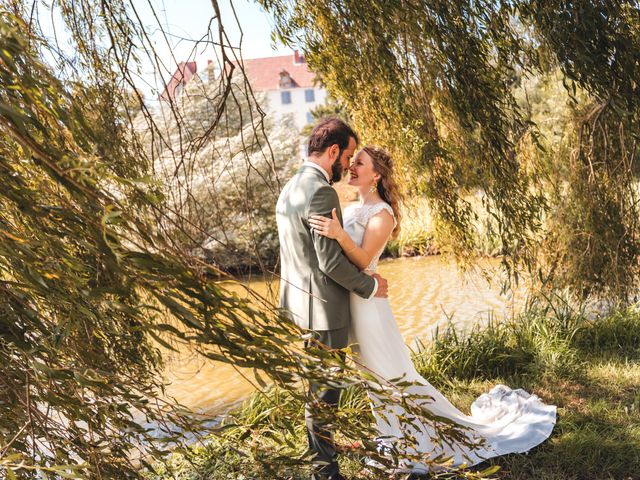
{"x":315,"y":165}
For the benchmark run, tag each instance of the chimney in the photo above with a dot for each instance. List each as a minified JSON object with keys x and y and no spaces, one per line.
{"x":209,"y":72}
{"x":297,"y":58}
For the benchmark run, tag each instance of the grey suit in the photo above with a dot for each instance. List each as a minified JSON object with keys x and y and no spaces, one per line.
{"x":316,"y":278}
{"x":316,"y":275}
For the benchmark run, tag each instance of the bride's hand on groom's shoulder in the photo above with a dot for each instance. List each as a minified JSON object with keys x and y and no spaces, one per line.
{"x":328,"y":227}
{"x":383,"y":286}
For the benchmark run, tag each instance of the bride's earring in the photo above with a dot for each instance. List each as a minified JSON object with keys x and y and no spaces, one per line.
{"x":374,"y":187}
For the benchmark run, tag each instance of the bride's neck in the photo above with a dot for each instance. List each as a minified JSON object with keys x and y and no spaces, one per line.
{"x":366,"y":196}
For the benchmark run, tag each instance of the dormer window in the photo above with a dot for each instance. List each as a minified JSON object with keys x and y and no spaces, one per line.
{"x":285,"y":80}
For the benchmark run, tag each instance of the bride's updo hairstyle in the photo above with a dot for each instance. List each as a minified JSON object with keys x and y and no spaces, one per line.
{"x":387,"y":187}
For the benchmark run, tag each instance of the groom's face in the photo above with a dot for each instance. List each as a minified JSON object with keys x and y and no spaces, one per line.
{"x":341,"y":164}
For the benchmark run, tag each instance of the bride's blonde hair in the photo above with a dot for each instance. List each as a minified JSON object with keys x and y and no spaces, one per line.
{"x":387,"y":187}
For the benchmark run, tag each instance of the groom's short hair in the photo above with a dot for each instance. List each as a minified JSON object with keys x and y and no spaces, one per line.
{"x":330,"y":131}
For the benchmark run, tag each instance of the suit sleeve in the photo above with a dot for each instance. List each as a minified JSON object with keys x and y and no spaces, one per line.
{"x":331,"y":259}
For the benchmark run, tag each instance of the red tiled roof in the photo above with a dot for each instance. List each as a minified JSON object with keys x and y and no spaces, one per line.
{"x":264,"y":73}
{"x":182,"y":75}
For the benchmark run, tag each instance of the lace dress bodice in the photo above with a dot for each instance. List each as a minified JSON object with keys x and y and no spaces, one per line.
{"x":356,"y":218}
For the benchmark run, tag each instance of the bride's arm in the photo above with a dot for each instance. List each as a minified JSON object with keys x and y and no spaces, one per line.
{"x":376,"y":234}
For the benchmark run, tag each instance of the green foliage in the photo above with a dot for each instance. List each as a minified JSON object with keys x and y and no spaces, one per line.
{"x":616,"y":332}
{"x":96,"y":259}
{"x":417,"y":234}
{"x":588,"y":238}
{"x":88,"y":280}
{"x":534,"y":344}
{"x":430,"y":82}
{"x":588,"y":367}
{"x":438,"y":84}
{"x":95,"y":268}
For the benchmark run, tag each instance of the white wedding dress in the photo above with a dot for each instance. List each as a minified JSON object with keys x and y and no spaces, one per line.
{"x":505,"y":420}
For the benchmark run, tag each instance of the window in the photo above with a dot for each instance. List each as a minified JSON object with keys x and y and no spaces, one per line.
{"x":286,"y":97}
{"x":309,"y":95}
{"x":285,"y":80}
{"x":309,"y":117}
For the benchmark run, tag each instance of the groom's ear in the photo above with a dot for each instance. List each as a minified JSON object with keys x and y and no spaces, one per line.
{"x":334,"y":151}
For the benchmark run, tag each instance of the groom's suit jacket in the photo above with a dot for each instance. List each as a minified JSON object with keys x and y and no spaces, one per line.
{"x":316,"y":276}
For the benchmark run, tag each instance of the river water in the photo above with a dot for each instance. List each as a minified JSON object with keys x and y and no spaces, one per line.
{"x":425,"y":292}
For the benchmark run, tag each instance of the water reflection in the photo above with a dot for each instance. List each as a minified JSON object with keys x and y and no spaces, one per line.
{"x":425,"y":292}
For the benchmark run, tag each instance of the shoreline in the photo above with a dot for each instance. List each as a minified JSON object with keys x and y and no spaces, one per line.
{"x":589,"y":368}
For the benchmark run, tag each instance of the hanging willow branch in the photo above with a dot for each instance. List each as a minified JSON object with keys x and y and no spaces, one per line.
{"x":428,"y":81}
{"x":101,"y":212}
{"x":434,"y":82}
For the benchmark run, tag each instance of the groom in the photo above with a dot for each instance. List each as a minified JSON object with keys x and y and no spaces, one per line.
{"x":316,"y":277}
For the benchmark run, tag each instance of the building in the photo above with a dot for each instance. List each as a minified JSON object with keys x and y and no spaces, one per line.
{"x":286,"y":81}
{"x":183,"y":74}
{"x":288,"y":84}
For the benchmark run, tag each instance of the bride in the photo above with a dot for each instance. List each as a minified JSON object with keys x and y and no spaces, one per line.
{"x":504,"y":420}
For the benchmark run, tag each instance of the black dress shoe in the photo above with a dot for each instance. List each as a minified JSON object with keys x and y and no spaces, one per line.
{"x":335,"y":476}
{"x":338,"y":476}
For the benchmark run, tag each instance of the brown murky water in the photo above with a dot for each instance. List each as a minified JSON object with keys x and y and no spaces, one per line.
{"x":425,"y":292}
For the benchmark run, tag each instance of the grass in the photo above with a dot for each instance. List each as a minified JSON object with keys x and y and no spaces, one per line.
{"x":417,"y":232}
{"x":589,"y":368}
{"x":419,"y":235}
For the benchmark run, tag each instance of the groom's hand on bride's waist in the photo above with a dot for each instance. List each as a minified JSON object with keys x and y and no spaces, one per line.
{"x":382,"y":286}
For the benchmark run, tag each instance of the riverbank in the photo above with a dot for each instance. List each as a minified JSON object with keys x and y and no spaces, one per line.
{"x":417,"y":238}
{"x":589,"y":368}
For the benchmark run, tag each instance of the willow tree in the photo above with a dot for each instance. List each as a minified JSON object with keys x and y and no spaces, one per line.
{"x":96,"y":270}
{"x":434,"y":81}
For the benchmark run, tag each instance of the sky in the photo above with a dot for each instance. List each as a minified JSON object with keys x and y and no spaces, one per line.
{"x":186,"y":21}
{"x":190,"y":18}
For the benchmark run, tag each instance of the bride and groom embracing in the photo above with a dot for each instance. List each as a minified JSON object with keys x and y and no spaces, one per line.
{"x":329,"y":286}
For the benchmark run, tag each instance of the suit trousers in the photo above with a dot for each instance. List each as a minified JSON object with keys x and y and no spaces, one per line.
{"x":319,"y":435}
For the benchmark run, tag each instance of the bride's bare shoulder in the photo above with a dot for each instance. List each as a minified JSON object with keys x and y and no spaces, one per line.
{"x":382,"y":210}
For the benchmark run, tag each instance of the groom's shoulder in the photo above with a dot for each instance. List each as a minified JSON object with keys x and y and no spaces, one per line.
{"x":301,"y":188}
{"x":307,"y":178}
{"x":324,"y":193}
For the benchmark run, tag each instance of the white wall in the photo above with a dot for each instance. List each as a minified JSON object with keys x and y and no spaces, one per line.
{"x":298,"y":106}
